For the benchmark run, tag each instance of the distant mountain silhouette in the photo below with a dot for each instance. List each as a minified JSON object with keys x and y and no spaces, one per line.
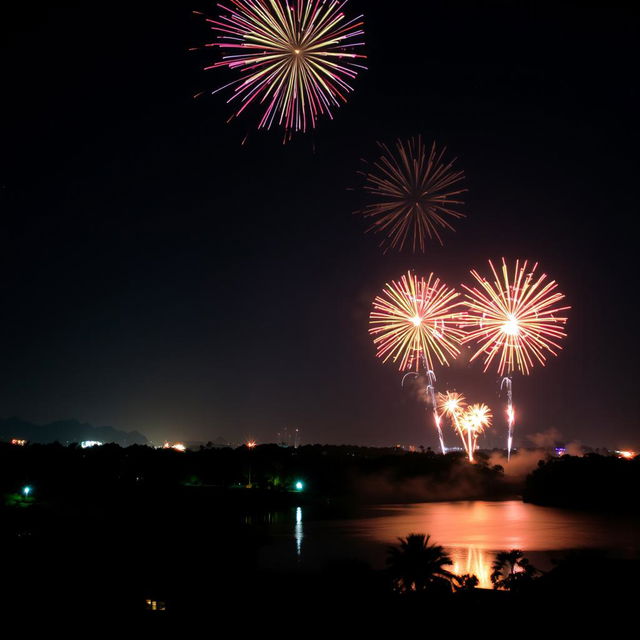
{"x":65,"y":431}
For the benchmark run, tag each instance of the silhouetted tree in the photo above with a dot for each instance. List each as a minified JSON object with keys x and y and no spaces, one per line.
{"x":512,"y":571}
{"x":466,"y":582}
{"x":417,"y":566}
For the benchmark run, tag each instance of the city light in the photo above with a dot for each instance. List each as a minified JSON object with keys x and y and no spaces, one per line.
{"x":176,"y":446}
{"x":87,"y":444}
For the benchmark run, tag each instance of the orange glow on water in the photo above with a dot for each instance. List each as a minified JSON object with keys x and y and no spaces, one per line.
{"x":475,"y":562}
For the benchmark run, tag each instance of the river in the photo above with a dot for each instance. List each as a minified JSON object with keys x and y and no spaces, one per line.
{"x":471,"y":532}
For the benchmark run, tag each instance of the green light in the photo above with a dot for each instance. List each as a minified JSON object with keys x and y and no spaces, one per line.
{"x":299,"y":486}
{"x":26,"y":491}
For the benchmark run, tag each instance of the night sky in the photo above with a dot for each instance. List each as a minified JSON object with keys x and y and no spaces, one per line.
{"x":157,"y":275}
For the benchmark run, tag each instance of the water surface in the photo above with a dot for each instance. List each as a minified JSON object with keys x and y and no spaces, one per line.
{"x":471,"y":532}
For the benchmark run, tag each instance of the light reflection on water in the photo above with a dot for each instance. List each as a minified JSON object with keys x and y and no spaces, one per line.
{"x":471,"y":533}
{"x":473,"y":561}
{"x":510,"y":524}
{"x":299,"y":533}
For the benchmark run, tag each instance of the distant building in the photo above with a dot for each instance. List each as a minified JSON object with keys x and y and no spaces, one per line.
{"x":288,"y":437}
{"x":155,"y":605}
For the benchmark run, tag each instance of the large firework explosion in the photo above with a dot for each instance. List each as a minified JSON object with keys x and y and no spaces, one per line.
{"x":415,"y":321}
{"x":415,"y":195}
{"x":516,"y":320}
{"x":296,"y":59}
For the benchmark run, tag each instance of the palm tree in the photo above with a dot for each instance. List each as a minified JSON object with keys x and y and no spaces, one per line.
{"x":512,"y":571}
{"x":466,"y":582}
{"x":417,"y":566}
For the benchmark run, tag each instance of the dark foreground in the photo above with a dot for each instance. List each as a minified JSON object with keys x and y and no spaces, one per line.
{"x":159,"y":535}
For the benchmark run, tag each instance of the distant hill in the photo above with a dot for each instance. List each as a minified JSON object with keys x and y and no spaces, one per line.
{"x":65,"y":431}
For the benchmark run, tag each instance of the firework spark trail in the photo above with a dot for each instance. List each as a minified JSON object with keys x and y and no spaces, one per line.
{"x":431,"y":394}
{"x":453,"y":404}
{"x":475,"y":420}
{"x":468,"y":421}
{"x":295,"y":59}
{"x":516,"y":319}
{"x":507,"y":383}
{"x":415,"y":322}
{"x":415,"y":195}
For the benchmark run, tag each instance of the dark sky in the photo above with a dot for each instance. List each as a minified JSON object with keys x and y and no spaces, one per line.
{"x":157,"y":275}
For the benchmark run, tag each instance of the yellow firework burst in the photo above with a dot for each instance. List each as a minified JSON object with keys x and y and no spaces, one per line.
{"x":514,"y":319}
{"x":416,"y":321}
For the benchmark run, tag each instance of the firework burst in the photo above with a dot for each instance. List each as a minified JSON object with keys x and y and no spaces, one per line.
{"x":415,"y":195}
{"x":469,"y":421}
{"x":516,"y":322}
{"x":415,"y":322}
{"x":515,"y":319}
{"x":475,"y":419}
{"x":295,"y":59}
{"x":452,"y":404}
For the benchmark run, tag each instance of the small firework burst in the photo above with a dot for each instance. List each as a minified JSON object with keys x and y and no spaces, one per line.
{"x":451,"y":403}
{"x":468,"y":421}
{"x":474,"y":421}
{"x":415,"y":321}
{"x":476,"y":418}
{"x":296,"y":59}
{"x":415,"y":195}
